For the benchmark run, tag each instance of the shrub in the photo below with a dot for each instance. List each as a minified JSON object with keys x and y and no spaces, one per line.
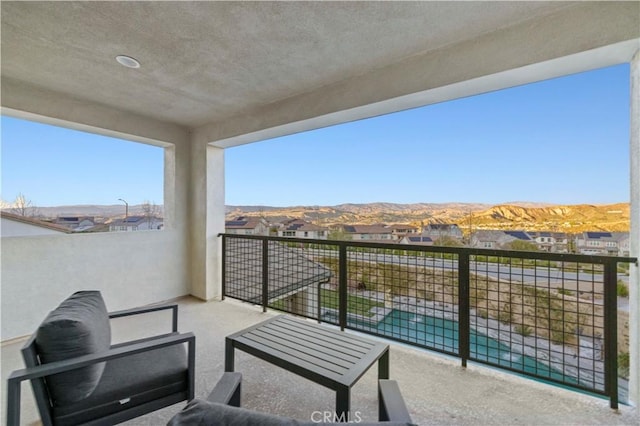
{"x":623,"y":268}
{"x":505,"y":315}
{"x":523,"y":329}
{"x":430,"y":295}
{"x":565,"y":292}
{"x":557,"y":336}
{"x":622,"y":289}
{"x":623,"y":365}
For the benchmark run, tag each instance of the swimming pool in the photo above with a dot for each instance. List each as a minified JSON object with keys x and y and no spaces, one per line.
{"x":442,"y":334}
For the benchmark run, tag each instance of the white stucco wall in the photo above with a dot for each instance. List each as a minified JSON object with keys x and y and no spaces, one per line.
{"x":206,"y":217}
{"x":129,"y":268}
{"x":634,"y":235}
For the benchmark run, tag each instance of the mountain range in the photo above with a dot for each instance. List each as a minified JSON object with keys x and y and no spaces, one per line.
{"x":516,"y":215}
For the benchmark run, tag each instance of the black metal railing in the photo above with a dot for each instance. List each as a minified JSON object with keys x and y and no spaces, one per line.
{"x":550,"y":316}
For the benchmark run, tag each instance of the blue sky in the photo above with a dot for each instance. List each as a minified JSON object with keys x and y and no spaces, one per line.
{"x":53,"y":166}
{"x":562,"y":141}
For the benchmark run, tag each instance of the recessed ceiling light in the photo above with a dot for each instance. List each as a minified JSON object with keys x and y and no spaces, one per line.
{"x":127,"y":61}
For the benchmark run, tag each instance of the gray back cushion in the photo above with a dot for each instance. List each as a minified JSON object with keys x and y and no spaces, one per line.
{"x":79,"y":326}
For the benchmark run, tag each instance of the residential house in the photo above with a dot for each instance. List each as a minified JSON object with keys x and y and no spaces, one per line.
{"x":299,"y":228}
{"x":136,"y":223}
{"x":297,"y":292}
{"x":247,"y":225}
{"x":378,"y":233}
{"x":419,"y":240}
{"x":555,"y":242}
{"x":497,"y":239}
{"x":14,"y":225}
{"x":399,"y":231}
{"x":437,"y":231}
{"x":624,"y":244}
{"x":603,"y":243}
{"x":76,"y":223}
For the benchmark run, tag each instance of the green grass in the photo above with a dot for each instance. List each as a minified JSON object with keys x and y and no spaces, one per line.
{"x":329,"y":299}
{"x":355,"y":304}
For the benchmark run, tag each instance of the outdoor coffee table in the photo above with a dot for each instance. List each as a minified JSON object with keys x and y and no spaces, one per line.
{"x":326,"y":356}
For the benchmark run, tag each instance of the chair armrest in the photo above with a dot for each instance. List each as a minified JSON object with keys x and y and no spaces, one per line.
{"x":227,"y":390}
{"x":18,"y":376}
{"x":145,"y":310}
{"x":391,"y":406}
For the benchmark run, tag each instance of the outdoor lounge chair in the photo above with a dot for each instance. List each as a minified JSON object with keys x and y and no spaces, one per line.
{"x":78,"y":377}
{"x":222,"y":408}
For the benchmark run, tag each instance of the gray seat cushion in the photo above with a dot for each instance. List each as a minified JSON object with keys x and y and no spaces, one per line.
{"x":79,"y":326}
{"x":131,"y":381}
{"x":205,"y":413}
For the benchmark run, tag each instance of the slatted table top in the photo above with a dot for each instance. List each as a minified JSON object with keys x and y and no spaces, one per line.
{"x":319,"y":353}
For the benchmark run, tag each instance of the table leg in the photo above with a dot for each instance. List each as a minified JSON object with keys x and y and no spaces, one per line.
{"x":383,"y":366}
{"x":229,"y":361}
{"x":343,"y":404}
{"x":383,"y":374}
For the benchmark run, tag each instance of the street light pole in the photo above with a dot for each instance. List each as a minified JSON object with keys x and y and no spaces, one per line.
{"x":126,"y":208}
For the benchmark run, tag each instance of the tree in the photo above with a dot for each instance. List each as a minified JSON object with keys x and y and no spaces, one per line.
{"x":339,"y":234}
{"x":446,"y":241}
{"x":522,"y":246}
{"x":150,"y":212}
{"x":23,"y":206}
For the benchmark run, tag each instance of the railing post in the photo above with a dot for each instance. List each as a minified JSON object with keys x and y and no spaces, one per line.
{"x":265,"y":274}
{"x":464,"y":335}
{"x":342,"y":286}
{"x":611,"y":332}
{"x":319,"y":302}
{"x":224,"y":266}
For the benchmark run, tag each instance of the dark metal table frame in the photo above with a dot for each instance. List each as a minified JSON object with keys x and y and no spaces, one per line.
{"x":326,"y":356}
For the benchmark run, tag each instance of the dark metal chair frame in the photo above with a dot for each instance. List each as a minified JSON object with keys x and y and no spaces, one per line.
{"x":391,"y":406}
{"x":36,"y":372}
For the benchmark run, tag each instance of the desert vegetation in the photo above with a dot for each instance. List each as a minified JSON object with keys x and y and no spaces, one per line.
{"x":555,"y":315}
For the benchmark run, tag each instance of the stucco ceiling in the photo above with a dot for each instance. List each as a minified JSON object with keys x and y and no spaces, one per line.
{"x":203,"y":62}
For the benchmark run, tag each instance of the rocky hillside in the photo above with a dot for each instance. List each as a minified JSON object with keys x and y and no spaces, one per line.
{"x":527,"y":216}
{"x":573,"y":218}
{"x":364,"y":213}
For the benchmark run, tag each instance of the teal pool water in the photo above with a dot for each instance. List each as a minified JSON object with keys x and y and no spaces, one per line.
{"x":442,"y":334}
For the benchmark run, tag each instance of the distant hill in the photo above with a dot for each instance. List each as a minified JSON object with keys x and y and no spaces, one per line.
{"x":574,"y":218}
{"x":363,"y":213}
{"x":105,"y":211}
{"x":517,"y":215}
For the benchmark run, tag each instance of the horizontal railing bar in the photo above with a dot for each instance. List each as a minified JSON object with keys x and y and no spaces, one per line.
{"x":539,"y":377}
{"x":560,"y":257}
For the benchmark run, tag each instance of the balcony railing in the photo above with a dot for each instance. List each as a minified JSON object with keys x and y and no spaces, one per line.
{"x":553,"y":317}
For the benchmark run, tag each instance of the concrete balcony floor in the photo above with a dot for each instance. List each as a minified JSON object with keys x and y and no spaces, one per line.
{"x":436,"y":389}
